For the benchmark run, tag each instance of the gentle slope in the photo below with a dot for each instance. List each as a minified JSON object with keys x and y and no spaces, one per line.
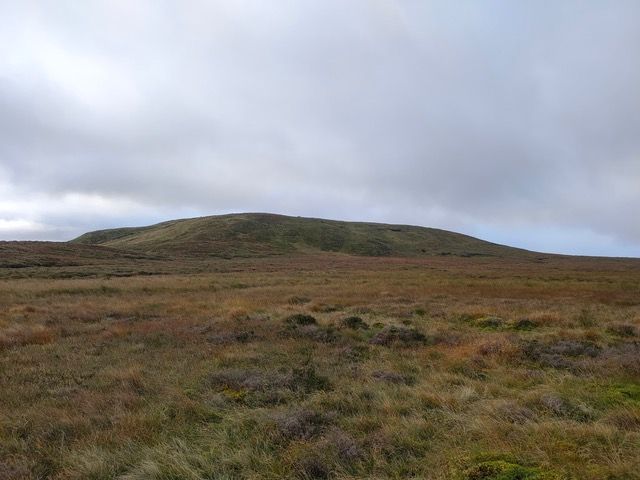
{"x":259,"y":234}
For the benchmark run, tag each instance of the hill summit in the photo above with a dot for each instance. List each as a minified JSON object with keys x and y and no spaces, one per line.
{"x":263,"y":234}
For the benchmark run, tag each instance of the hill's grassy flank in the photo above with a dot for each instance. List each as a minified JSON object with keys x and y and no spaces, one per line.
{"x":25,"y":254}
{"x":260,"y":234}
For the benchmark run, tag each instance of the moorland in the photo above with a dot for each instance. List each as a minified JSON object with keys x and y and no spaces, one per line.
{"x":269,"y":347}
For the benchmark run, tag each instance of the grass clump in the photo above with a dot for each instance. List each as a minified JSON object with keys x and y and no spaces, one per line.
{"x":586,"y":318}
{"x":393,"y":377}
{"x":298,"y":300}
{"x":26,"y":335}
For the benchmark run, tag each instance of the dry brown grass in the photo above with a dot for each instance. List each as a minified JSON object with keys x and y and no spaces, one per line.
{"x":469,"y":367}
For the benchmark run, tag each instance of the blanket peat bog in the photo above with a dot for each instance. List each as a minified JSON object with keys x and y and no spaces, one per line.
{"x":133,"y":364}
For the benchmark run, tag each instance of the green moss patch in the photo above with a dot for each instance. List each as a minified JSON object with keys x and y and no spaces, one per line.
{"x":502,"y":470}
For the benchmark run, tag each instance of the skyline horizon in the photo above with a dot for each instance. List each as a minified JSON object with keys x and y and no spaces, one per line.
{"x":332,"y":219}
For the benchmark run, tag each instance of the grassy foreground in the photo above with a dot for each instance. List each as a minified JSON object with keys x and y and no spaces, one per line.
{"x":323,"y":366}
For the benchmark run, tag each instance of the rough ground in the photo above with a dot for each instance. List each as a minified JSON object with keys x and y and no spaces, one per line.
{"x":320,"y":366}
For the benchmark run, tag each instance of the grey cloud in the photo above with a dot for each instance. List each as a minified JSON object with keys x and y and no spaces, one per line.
{"x":475,"y":116}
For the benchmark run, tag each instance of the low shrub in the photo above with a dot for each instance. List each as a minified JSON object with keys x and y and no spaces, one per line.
{"x":307,"y":379}
{"x":354,"y":323}
{"x":344,"y":445}
{"x":300,"y":319}
{"x":558,"y":354}
{"x":230,"y":338}
{"x":301,"y":424}
{"x":474,"y":368}
{"x":513,"y":412}
{"x":402,"y":336}
{"x":326,"y":308}
{"x":561,"y":407}
{"x":314,"y":333}
{"x":524,"y":324}
{"x":623,"y":330}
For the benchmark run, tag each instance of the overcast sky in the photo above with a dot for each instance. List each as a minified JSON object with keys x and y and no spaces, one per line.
{"x":518,"y":122}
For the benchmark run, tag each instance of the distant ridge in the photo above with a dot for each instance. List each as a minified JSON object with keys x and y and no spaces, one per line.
{"x":264,"y":234}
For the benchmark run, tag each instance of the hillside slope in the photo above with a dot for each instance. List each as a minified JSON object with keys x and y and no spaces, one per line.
{"x":260,"y":234}
{"x":27,"y":254}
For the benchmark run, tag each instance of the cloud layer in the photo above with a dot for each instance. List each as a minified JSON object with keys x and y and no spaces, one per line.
{"x":516,"y":121}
